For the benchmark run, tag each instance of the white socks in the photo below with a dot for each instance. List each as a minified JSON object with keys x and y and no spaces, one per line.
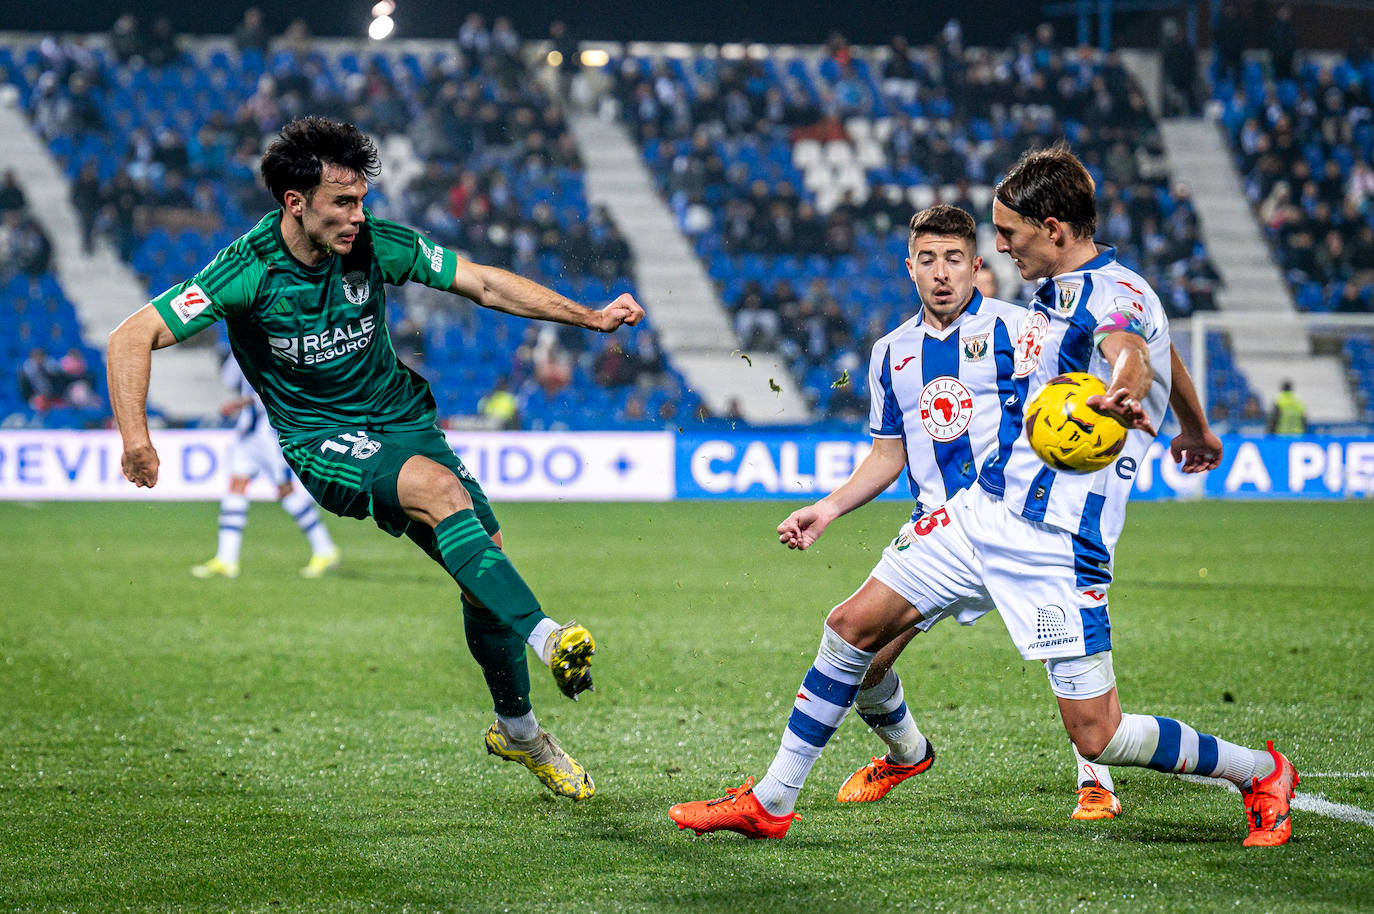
{"x":539,"y":638}
{"x":523,"y":728}
{"x":1087,"y":773}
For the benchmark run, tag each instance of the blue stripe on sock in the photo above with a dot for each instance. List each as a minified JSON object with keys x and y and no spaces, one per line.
{"x":831,"y":690}
{"x":1206,"y":754}
{"x":884,"y":720}
{"x":1166,"y":752}
{"x":313,"y":524}
{"x":238,"y":529}
{"x":303,"y":512}
{"x":809,"y":729}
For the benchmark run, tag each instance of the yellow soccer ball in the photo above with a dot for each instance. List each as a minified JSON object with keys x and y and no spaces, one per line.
{"x":1067,"y":433}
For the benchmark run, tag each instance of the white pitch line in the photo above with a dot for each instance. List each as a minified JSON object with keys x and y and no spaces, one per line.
{"x":1307,"y":802}
{"x":1337,"y":774}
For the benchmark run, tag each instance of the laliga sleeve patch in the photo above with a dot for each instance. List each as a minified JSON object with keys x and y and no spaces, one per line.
{"x":1117,"y":320}
{"x":190,"y":303}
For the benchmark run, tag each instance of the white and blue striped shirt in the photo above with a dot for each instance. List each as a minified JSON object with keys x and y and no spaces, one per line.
{"x":950,"y":395}
{"x":1057,"y":336}
{"x":252,"y":418}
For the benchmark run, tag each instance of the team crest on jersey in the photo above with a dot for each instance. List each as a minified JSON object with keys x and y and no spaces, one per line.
{"x":356,"y":286}
{"x":946,"y":408}
{"x":363,"y":446}
{"x":975,"y":347}
{"x":1031,"y":343}
{"x":1068,"y":296}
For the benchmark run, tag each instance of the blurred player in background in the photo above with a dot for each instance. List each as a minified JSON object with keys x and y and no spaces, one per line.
{"x":255,"y":451}
{"x":302,"y":297}
{"x":1033,"y":543}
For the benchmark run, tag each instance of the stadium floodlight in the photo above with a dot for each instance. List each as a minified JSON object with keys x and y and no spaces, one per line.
{"x":595,"y":57}
{"x":381,"y":27}
{"x":383,"y":8}
{"x":555,"y":59}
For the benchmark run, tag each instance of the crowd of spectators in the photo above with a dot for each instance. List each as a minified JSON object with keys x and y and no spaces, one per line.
{"x":43,"y":381}
{"x":47,"y":383}
{"x":1303,"y":135}
{"x":477,"y":155}
{"x":720,"y":134}
{"x":25,"y":248}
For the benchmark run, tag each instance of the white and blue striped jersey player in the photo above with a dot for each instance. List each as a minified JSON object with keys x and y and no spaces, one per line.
{"x":950,"y":395}
{"x":255,"y":450}
{"x":951,"y":398}
{"x":1068,"y":316}
{"x":1047,"y":568}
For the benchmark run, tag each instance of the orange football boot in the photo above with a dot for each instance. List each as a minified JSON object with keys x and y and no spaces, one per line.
{"x":1095,"y":802}
{"x":1266,"y":803}
{"x":739,"y":810}
{"x":874,"y":780}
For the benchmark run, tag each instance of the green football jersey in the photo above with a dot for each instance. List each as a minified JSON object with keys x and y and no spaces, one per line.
{"x":313,"y":341}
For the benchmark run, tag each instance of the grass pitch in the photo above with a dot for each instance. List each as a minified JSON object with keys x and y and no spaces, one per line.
{"x":276,"y":744}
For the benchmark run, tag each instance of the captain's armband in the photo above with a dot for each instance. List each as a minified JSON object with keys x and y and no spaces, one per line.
{"x":1117,"y":320}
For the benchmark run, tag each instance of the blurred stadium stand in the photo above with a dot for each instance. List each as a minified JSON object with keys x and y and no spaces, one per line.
{"x":791,"y":171}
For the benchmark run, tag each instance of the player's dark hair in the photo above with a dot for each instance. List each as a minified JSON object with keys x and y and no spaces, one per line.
{"x":1051,"y":182}
{"x":943,"y":219}
{"x":295,"y":160}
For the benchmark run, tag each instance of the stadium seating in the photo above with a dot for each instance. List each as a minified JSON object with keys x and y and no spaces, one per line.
{"x":38,"y":315}
{"x":851,"y":147}
{"x":205,"y":118}
{"x":1305,"y":147}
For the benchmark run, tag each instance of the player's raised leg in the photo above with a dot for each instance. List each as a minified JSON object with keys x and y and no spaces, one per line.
{"x":436,"y":496}
{"x":854,"y":630}
{"x":1265,"y":777}
{"x":500,"y":616}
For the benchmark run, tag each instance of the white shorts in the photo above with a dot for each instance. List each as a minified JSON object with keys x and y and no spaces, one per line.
{"x":258,"y":452}
{"x":974,"y":556}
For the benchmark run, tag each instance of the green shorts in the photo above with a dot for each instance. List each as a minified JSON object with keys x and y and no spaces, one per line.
{"x":353,"y":474}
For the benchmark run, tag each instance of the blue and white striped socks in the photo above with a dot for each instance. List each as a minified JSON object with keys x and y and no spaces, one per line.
{"x":1165,"y":744}
{"x":825,"y":697}
{"x":302,"y":509}
{"x":233,"y":517}
{"x":884,"y":709}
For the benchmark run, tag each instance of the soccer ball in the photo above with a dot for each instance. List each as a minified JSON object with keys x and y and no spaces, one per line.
{"x":1067,"y":433}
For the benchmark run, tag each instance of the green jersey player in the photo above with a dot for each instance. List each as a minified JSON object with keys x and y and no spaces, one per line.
{"x":302,"y":297}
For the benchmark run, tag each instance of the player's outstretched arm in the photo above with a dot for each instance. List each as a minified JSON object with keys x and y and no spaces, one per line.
{"x":873,"y":474}
{"x":128,"y":362}
{"x":1129,"y":356}
{"x":1196,"y":447}
{"x":502,"y":290}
